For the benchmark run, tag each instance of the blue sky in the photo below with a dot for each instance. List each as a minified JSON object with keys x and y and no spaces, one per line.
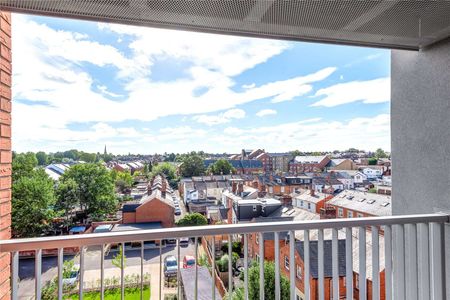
{"x":84,"y":85}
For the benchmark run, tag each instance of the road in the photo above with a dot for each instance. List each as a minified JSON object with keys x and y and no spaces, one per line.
{"x":92,"y":265}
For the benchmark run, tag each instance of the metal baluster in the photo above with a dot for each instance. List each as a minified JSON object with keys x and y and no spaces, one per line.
{"x":15,"y":276}
{"x":213,"y":267}
{"x":437,"y":261}
{"x":375,"y":263}
{"x":335,"y":263}
{"x":37,"y":273}
{"x":307,"y":265}
{"x":80,"y":290}
{"x":423,"y":257}
{"x":142,"y":270}
{"x":102,"y":272}
{"x":246,"y":266}
{"x":292,"y":264}
{"x":321,"y":266}
{"x":411,"y":282}
{"x":230,"y":267}
{"x":196,"y":269}
{"x":362,"y":263}
{"x":161,"y":280}
{"x":122,"y":273}
{"x":178,"y":270}
{"x":398,"y":260}
{"x":60,"y":272}
{"x":388,"y":261}
{"x":349,"y":262}
{"x":261,"y":266}
{"x":277,"y":265}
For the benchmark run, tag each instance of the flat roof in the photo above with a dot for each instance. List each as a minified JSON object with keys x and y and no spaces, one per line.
{"x":136,"y":226}
{"x":204,"y":284}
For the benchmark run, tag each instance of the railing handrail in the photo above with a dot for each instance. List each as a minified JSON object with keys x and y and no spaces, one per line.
{"x":91,"y":239}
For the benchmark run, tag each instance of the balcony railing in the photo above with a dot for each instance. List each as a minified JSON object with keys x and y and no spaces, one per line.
{"x":412,"y":243}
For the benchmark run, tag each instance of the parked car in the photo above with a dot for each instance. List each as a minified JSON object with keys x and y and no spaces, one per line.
{"x":170,"y":266}
{"x":184,"y":242}
{"x":177,"y":211}
{"x":72,"y":277}
{"x":188,"y":261}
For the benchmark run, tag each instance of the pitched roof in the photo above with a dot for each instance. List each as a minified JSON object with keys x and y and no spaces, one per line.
{"x":327,"y":254}
{"x":309,"y":159}
{"x":370,"y":203}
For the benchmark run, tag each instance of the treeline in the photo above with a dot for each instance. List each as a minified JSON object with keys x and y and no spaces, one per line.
{"x":44,"y":158}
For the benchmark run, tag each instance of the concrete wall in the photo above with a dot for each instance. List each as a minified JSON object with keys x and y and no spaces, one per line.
{"x":420,"y":110}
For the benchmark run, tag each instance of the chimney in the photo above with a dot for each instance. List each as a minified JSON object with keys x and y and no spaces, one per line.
{"x":240,"y":188}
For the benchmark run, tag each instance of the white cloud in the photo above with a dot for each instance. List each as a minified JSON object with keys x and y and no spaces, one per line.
{"x":312,"y":134}
{"x":266,"y":112}
{"x":104,"y":90}
{"x":371,"y":91}
{"x":248,"y":86}
{"x":222,"y":118}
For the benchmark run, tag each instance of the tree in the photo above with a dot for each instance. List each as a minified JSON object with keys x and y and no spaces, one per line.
{"x":221,"y":167}
{"x":32,"y":200}
{"x":372,"y":161}
{"x":117,"y":259}
{"x":194,"y":219}
{"x":95,"y":189}
{"x":379,"y":153}
{"x":42,"y":158}
{"x":192,"y":165}
{"x":23,"y":165}
{"x":122,"y":180}
{"x":166,"y":170}
{"x":67,"y":198}
{"x":296,"y":153}
{"x":269,"y":282}
{"x":88,"y":157}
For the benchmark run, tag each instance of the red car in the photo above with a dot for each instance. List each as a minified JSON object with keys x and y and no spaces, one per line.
{"x":188,"y":262}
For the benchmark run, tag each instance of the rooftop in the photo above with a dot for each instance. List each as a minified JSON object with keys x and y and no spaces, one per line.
{"x":370,"y":203}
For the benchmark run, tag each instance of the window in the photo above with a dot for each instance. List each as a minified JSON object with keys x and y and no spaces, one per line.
{"x":360,"y":215}
{"x":349,"y":214}
{"x":286,"y":262}
{"x":309,"y":205}
{"x":299,"y":272}
{"x":282,"y":189}
{"x":301,"y":203}
{"x":340,"y":212}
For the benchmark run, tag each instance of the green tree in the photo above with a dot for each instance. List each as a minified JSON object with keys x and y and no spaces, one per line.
{"x":269,"y":282}
{"x":379,"y":153}
{"x":221,"y":167}
{"x":122,"y":180}
{"x":194,"y":219}
{"x":88,"y":157}
{"x":23,"y":165}
{"x":296,"y":153}
{"x":372,"y":161}
{"x":95,"y":189}
{"x":165,"y":169}
{"x":32,"y":200}
{"x":67,"y":198}
{"x":42,"y":158}
{"x":192,"y":165}
{"x":117,"y":259}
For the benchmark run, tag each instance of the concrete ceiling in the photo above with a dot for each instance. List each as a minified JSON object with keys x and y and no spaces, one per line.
{"x":407,"y":24}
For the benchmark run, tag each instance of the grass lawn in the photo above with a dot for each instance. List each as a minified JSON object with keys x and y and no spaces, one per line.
{"x":114,"y":294}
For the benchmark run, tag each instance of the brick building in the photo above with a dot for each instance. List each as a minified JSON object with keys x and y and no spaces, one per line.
{"x":280,"y":162}
{"x":301,"y":164}
{"x":5,"y":149}
{"x":156,"y":206}
{"x":266,"y":161}
{"x":299,"y":265}
{"x":352,"y":204}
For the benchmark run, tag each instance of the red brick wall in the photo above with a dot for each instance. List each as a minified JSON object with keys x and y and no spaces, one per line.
{"x":5,"y":149}
{"x":156,"y":211}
